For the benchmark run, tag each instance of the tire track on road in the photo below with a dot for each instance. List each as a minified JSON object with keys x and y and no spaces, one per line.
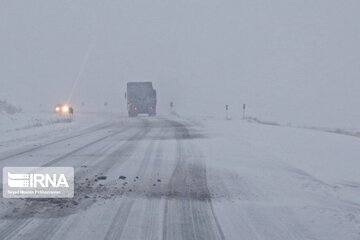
{"x":188,"y":212}
{"x":121,"y":217}
{"x":53,"y":226}
{"x":89,"y":131}
{"x":126,"y":149}
{"x":9,"y":230}
{"x":87,"y":145}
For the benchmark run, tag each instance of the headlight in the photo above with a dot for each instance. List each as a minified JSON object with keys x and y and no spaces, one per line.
{"x":57,"y":109}
{"x":65,"y":109}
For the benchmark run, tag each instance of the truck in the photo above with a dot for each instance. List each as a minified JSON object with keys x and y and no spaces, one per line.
{"x":141,"y":98}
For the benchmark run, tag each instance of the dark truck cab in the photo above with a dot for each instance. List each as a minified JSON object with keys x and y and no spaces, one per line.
{"x":141,"y":98}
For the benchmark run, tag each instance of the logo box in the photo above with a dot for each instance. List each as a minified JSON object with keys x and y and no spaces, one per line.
{"x":38,"y":182}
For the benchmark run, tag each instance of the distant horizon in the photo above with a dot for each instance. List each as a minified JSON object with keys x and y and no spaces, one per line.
{"x":290,"y":61}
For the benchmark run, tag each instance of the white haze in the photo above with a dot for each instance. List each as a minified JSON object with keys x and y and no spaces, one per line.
{"x":289,"y":61}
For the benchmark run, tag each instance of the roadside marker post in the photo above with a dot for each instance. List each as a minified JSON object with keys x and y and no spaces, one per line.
{"x":244,"y":107}
{"x":227,"y":111}
{"x":171,"y":104}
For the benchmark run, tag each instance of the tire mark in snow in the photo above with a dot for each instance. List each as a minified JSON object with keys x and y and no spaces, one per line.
{"x":117,"y":227}
{"x":9,"y":230}
{"x":120,"y":219}
{"x":217,"y":221}
{"x":153,"y":209}
{"x":188,"y":207}
{"x":88,"y":131}
{"x":151,"y":224}
{"x":52,"y":162}
{"x":126,"y":149}
{"x":128,"y":146}
{"x":44,"y":230}
{"x":188,"y":210}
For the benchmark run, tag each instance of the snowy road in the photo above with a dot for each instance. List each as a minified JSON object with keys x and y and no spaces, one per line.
{"x":175,"y":179}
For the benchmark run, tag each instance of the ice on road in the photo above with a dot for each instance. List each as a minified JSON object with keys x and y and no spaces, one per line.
{"x":199,"y":178}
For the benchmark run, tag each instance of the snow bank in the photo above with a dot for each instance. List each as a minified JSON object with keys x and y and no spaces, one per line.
{"x":7,"y":108}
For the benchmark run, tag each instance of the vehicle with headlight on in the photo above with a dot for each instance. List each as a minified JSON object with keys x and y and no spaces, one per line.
{"x":62,"y":108}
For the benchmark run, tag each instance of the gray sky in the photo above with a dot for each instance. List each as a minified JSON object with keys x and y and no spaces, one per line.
{"x":288,"y":60}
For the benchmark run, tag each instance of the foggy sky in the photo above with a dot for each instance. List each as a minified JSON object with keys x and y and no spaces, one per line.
{"x":288,"y":60}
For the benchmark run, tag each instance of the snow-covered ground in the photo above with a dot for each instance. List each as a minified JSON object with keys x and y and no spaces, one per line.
{"x":31,"y":129}
{"x":288,"y":183}
{"x":329,"y":156}
{"x":195,"y":178}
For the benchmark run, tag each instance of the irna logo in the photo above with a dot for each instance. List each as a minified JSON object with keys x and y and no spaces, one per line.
{"x":37,"y":180}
